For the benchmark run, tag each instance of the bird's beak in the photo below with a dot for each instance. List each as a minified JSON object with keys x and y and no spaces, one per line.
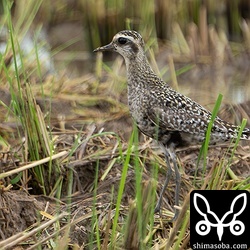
{"x":108,"y":47}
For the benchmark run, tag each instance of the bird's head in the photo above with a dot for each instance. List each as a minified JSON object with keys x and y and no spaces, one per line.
{"x":127,"y":43}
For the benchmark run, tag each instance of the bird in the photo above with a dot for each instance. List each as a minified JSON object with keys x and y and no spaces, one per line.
{"x":160,"y":112}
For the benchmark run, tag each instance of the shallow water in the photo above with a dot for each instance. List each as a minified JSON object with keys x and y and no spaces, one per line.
{"x":234,"y":85}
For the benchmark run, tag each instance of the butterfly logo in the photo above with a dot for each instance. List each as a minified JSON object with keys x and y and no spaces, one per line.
{"x":210,"y":219}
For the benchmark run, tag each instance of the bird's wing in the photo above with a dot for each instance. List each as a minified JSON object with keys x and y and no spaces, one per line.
{"x":180,"y":113}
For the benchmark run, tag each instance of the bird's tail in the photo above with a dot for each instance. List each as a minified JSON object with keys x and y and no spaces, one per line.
{"x":246,"y":134}
{"x":233,"y":131}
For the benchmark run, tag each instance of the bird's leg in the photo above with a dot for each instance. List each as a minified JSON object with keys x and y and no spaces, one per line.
{"x":177,"y":186}
{"x":168,"y":176}
{"x":172,"y":156}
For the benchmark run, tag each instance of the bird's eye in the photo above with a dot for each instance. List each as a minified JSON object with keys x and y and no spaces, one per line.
{"x":122,"y":40}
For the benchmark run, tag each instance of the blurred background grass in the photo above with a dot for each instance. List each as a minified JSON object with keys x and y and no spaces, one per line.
{"x":95,"y":23}
{"x":193,"y":34}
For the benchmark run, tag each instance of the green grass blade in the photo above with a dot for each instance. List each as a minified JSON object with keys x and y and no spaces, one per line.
{"x":204,"y":149}
{"x":122,"y":185}
{"x":138,"y":184}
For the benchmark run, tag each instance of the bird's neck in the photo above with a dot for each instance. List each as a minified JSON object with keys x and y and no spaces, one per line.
{"x":138,"y":69}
